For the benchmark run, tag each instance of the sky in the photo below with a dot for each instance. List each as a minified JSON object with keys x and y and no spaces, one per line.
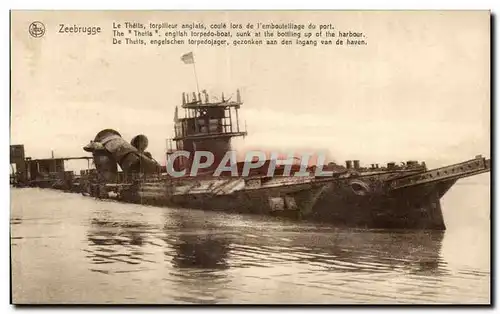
{"x":420,"y":89}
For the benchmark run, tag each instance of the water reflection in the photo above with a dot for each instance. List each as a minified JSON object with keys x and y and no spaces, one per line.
{"x":204,"y":257}
{"x":114,"y":242}
{"x":337,"y":250}
{"x":83,"y":250}
{"x":199,"y":257}
{"x":195,"y":246}
{"x":194,"y":243}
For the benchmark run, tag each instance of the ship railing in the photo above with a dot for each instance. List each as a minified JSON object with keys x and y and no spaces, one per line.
{"x":199,"y":104}
{"x":471,"y":167}
{"x":207,"y":134}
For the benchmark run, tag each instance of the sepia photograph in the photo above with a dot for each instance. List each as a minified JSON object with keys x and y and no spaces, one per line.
{"x":250,"y":157}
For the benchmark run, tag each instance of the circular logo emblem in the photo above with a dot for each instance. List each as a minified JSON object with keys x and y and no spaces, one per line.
{"x":37,"y":29}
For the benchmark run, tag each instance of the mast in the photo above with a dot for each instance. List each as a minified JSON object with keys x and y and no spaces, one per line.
{"x":206,"y":126}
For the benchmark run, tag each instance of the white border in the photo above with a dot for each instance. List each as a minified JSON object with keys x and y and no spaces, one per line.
{"x":493,"y":5}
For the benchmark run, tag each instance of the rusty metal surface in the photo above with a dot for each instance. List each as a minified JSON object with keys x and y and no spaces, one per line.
{"x":461,"y":170}
{"x":130,"y":156}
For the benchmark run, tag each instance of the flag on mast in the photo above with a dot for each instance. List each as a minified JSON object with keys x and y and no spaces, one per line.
{"x":188,"y":58}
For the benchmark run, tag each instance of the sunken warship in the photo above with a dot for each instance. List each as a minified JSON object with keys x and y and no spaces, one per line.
{"x":393,"y":196}
{"x":405,"y":195}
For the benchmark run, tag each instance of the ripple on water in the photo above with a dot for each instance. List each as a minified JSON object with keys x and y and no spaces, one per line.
{"x":108,"y":252}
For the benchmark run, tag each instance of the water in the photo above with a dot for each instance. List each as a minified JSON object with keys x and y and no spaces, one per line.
{"x":67,"y":248}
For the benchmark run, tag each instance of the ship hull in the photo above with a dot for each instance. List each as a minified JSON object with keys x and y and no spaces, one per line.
{"x":417,"y":207}
{"x":335,"y":203}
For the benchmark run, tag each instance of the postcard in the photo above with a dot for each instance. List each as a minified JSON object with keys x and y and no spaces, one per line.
{"x":250,"y":157}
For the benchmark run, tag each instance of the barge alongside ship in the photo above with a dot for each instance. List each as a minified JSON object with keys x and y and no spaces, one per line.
{"x":405,"y":195}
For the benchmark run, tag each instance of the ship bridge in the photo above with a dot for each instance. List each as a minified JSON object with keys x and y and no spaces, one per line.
{"x":205,"y":126}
